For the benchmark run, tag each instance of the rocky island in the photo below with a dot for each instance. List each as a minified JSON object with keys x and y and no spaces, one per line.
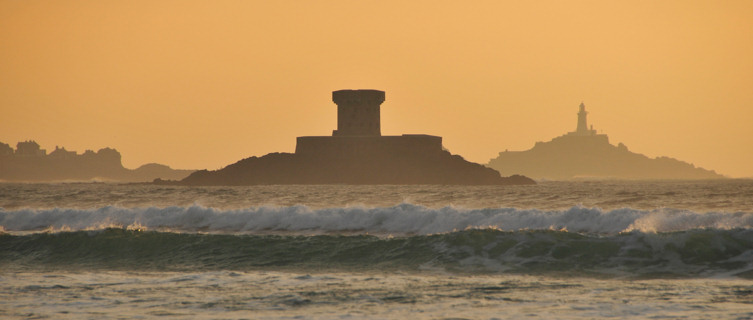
{"x":356,"y":153}
{"x":30,"y":163}
{"x":584,"y":154}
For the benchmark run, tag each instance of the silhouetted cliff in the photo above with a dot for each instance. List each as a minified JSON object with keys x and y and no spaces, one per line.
{"x":30,"y":163}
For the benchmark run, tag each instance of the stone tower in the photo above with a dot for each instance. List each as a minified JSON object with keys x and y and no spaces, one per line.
{"x":358,"y":112}
{"x":582,"y":123}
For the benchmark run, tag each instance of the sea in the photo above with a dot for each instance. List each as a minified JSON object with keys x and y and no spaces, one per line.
{"x":555,"y":250}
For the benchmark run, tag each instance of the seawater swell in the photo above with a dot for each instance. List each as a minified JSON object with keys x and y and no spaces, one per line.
{"x":579,"y":240}
{"x":692,"y":253}
{"x":400,"y":220}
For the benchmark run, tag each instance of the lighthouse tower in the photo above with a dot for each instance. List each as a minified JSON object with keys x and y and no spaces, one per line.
{"x":582,"y":129}
{"x":582,"y":122}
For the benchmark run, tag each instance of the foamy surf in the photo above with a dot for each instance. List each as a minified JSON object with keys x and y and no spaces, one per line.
{"x":403,"y":219}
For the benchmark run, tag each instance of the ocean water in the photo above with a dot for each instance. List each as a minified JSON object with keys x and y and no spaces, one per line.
{"x":556,"y":250}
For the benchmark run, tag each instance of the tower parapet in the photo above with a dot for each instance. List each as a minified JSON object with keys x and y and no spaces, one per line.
{"x":358,"y":112}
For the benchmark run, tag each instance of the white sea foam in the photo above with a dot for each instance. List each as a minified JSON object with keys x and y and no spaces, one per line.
{"x":400,"y":219}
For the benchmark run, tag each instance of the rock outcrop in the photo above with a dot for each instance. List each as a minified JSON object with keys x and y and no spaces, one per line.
{"x":290,"y":168}
{"x":583,"y":154}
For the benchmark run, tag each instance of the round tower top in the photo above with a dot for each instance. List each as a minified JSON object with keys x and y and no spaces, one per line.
{"x":357,"y":96}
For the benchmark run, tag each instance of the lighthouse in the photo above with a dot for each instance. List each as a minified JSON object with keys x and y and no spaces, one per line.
{"x":582,"y":122}
{"x":582,"y":129}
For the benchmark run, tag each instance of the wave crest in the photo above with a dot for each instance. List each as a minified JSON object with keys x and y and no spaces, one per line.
{"x":403,"y":219}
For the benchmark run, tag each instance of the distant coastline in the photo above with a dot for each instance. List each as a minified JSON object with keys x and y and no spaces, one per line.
{"x":30,"y":163}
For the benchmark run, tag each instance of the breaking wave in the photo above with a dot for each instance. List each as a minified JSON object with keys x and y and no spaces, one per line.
{"x":403,"y":219}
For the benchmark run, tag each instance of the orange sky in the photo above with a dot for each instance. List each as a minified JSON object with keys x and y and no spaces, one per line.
{"x":202,"y":84}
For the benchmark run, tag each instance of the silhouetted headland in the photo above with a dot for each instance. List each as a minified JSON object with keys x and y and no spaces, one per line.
{"x":29,"y":163}
{"x":585,"y":154}
{"x":356,"y":153}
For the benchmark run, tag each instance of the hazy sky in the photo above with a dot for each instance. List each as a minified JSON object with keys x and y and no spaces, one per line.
{"x":202,"y":84}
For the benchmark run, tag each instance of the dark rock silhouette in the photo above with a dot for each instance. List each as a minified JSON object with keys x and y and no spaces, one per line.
{"x":30,"y":163}
{"x":585,"y":154}
{"x":356,"y":153}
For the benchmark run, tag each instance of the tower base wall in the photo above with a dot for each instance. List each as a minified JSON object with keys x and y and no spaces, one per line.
{"x":367,"y":146}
